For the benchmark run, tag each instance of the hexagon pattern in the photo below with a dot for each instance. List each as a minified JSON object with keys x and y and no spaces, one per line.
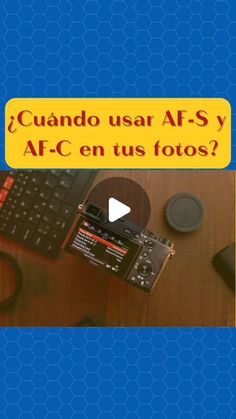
{"x":118,"y":373}
{"x":132,"y":48}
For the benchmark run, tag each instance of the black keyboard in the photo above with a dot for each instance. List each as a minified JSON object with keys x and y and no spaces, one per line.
{"x":37,"y":207}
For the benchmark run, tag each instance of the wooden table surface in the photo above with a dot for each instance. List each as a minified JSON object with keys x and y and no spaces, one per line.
{"x":189,"y":292}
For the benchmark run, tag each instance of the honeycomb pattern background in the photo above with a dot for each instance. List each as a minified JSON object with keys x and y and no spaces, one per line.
{"x":118,"y":373}
{"x":131,"y":48}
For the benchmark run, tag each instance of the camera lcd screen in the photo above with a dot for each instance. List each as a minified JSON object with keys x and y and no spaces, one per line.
{"x":103,"y":247}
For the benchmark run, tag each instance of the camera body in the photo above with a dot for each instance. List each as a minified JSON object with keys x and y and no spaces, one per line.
{"x":137,"y":256}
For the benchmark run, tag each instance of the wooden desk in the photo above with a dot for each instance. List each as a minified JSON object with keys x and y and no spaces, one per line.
{"x":188,"y":293}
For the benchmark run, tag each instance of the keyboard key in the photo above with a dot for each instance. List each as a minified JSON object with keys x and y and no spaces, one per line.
{"x":51,"y":248}
{"x":17,"y":190}
{"x":37,"y":177}
{"x":43,"y":228}
{"x":27,"y":231}
{"x":66,"y":181}
{"x":71,"y":173}
{"x":60,"y":193}
{"x":51,"y":181}
{"x":3,"y":194}
{"x":37,"y":240}
{"x":40,"y":205}
{"x":26,"y":202}
{"x":3,"y":227}
{"x":54,"y":235}
{"x":8,"y":182}
{"x":49,"y":217}
{"x":20,"y":215}
{"x":14,"y":229}
{"x":45,"y":193}
{"x":35,"y":217}
{"x":6,"y":214}
{"x":31,"y":190}
{"x":55,"y":205}
{"x":56,"y":172}
{"x":60,"y":223}
{"x":67,"y":211}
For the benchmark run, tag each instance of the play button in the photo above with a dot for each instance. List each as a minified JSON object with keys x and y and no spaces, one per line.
{"x":117,"y":209}
{"x":127,"y":194}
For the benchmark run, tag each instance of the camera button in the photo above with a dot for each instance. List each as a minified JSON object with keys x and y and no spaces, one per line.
{"x":144,"y":268}
{"x":145,"y":254}
{"x":149,"y":243}
{"x":127,"y":231}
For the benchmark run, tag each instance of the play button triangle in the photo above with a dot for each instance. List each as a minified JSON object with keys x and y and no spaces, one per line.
{"x":117,"y":209}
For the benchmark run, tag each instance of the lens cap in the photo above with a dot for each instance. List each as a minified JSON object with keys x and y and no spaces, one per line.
{"x":184,"y":212}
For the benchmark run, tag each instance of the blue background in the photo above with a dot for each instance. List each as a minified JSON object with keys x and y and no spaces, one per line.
{"x":109,"y":48}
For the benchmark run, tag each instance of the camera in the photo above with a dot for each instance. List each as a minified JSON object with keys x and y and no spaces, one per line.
{"x":135,"y":255}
